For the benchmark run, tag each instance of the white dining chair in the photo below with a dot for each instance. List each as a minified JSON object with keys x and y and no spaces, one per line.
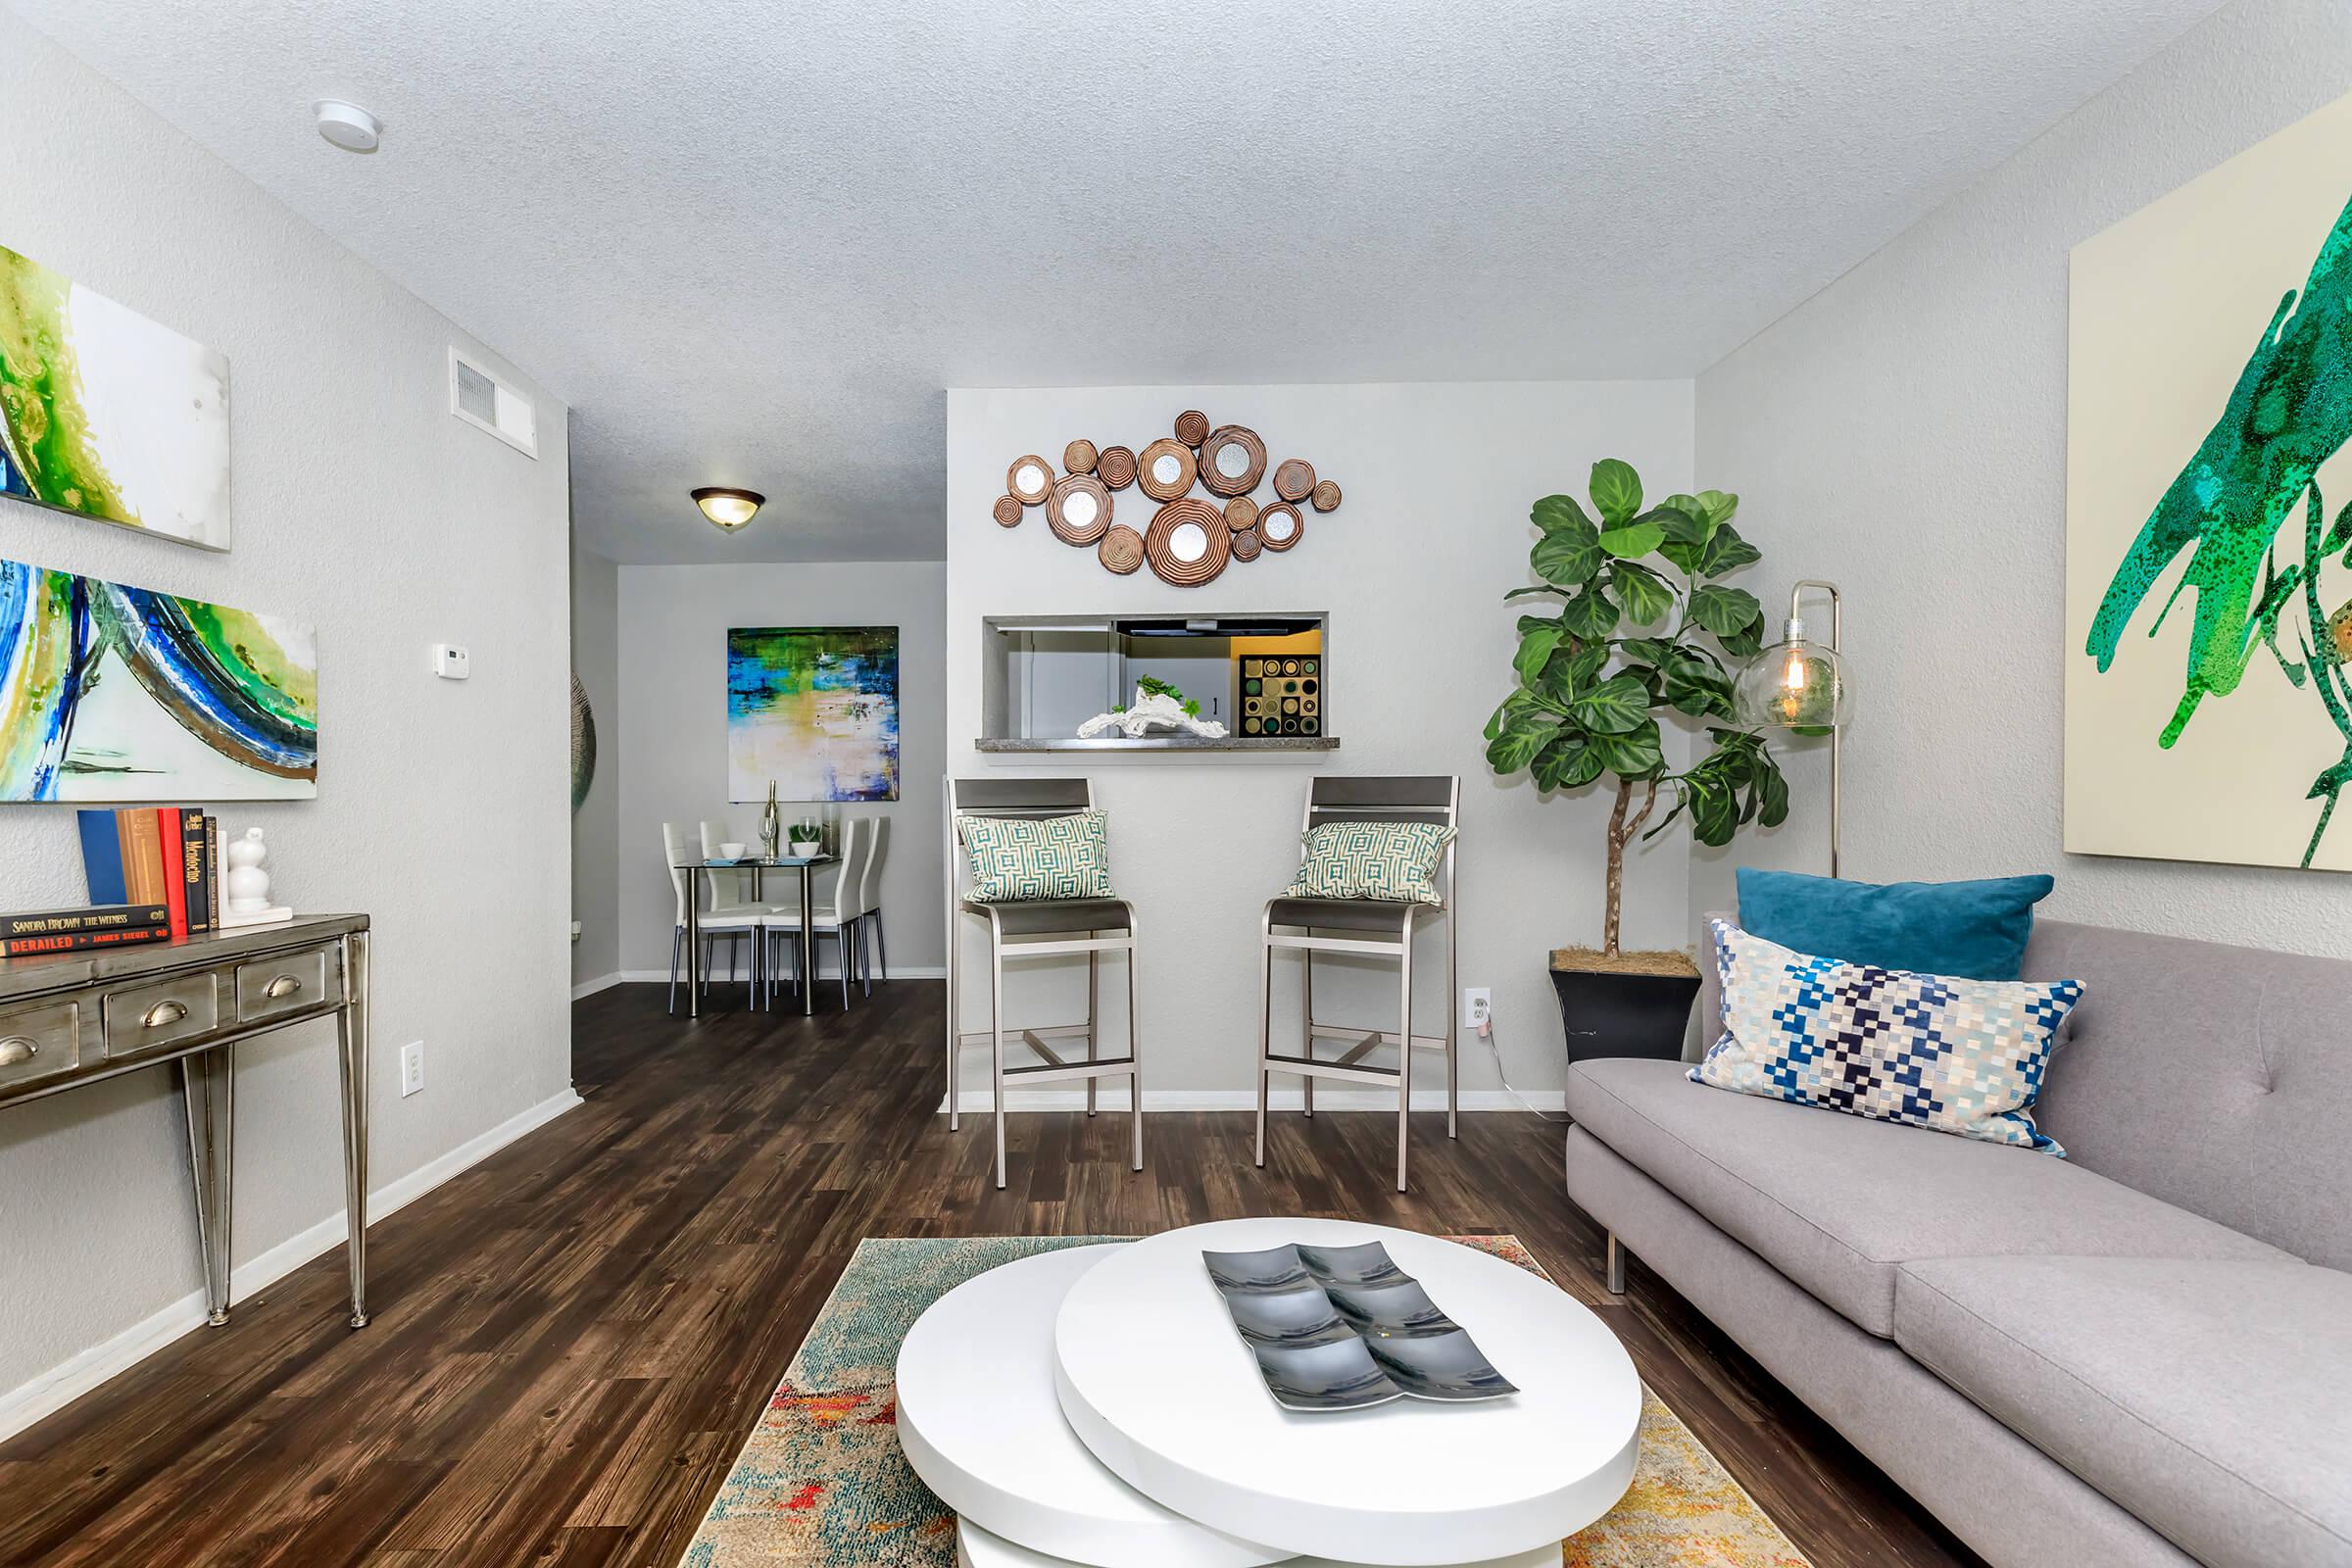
{"x":869,"y":906}
{"x":833,"y":910}
{"x":735,"y":923}
{"x":730,"y":894}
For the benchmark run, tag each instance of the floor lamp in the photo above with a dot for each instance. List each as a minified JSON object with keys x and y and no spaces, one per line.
{"x":1801,"y":685}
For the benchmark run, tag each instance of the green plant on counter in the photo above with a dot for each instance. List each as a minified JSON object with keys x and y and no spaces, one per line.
{"x":1587,"y":705}
{"x":1152,"y":685}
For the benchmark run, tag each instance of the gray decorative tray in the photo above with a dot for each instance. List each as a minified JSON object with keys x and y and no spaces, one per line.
{"x":1343,"y":1328}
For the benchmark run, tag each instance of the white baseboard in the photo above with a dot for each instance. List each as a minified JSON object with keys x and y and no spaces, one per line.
{"x":824,"y":971}
{"x":1113,"y":1095}
{"x":603,"y":982}
{"x":61,"y":1385}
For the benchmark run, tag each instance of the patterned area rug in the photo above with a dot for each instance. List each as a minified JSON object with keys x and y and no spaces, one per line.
{"x":821,"y":1481}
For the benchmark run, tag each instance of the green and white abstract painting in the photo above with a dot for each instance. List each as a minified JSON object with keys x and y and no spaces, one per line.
{"x":2209,"y":515}
{"x":108,"y":413}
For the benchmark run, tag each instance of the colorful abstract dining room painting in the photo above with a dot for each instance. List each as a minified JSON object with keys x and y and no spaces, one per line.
{"x":109,"y":692}
{"x":814,"y":708}
{"x":2209,"y":515}
{"x":108,"y":413}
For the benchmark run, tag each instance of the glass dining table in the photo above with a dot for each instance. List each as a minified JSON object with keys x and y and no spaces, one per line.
{"x":806,"y":866}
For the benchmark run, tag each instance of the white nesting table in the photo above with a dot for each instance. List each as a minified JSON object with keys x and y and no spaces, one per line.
{"x":1095,"y":1406}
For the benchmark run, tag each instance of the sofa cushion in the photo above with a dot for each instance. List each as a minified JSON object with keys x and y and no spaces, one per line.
{"x":2212,"y":1399}
{"x":1950,"y":1054}
{"x":1973,"y":930}
{"x":1836,"y":1202}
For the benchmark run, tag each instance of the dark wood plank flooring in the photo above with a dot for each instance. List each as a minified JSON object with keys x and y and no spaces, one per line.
{"x":572,"y":1339}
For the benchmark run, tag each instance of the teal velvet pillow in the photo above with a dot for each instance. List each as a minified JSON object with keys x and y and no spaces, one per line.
{"x":1975,"y":930}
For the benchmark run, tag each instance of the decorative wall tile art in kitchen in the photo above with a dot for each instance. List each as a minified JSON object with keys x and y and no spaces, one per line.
{"x":1281,"y":696}
{"x":106,"y":413}
{"x":815,"y":710}
{"x":1187,"y":540}
{"x":109,"y":692}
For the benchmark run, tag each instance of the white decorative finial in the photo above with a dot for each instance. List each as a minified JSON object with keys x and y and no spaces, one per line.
{"x":248,"y":885}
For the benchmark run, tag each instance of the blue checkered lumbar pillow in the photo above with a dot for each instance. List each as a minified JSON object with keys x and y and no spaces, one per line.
{"x":1022,"y":859}
{"x":1389,"y":863}
{"x":1963,"y":1057}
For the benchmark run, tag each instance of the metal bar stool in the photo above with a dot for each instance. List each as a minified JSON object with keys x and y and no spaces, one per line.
{"x":1366,"y":928}
{"x":1029,"y":930}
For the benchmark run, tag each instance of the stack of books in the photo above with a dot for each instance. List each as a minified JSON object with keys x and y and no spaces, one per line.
{"x":105,"y":925}
{"x":154,"y":876}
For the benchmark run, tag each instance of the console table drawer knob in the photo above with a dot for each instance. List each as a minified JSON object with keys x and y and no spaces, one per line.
{"x":162,"y":1016}
{"x":37,"y":1044}
{"x":287,"y":984}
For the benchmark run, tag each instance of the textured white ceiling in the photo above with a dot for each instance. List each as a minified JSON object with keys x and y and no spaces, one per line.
{"x":751,"y":243}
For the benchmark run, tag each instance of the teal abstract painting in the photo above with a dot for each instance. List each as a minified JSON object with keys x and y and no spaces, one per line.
{"x":2209,"y":514}
{"x":815,"y":709}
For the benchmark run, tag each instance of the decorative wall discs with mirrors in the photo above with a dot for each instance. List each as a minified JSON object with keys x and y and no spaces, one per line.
{"x":1189,"y":540}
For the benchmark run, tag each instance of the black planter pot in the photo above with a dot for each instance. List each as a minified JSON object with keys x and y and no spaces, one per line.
{"x":1624,"y":1014}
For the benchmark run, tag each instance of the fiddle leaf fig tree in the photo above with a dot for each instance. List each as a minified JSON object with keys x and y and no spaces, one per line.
{"x":1637,"y":626}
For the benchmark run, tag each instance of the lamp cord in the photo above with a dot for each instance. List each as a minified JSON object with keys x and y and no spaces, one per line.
{"x":1495,"y":1049}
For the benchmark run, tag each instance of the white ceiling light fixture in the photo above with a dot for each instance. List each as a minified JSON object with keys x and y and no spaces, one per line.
{"x":728,"y":508}
{"x":348,"y":125}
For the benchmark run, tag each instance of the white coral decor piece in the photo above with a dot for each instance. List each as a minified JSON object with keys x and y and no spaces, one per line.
{"x":1150,"y":712}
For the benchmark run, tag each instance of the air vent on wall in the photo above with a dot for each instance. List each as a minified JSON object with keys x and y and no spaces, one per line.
{"x":482,"y":400}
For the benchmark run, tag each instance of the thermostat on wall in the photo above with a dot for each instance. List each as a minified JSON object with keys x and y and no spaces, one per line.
{"x":451,"y":662}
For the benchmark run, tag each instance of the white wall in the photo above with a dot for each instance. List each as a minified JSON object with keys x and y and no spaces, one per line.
{"x":674,"y":707}
{"x":1412,"y":569}
{"x":1905,"y":434}
{"x":363,"y":506}
{"x":596,"y":825}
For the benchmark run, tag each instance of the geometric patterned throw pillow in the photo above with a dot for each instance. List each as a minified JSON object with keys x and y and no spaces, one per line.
{"x":1389,"y":863}
{"x":1964,"y":1057}
{"x":1022,"y":859}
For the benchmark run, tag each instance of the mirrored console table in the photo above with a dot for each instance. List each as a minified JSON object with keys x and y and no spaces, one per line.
{"x":73,"y":1019}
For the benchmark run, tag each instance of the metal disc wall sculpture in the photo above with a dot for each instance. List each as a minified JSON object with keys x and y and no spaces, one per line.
{"x":1188,"y":540}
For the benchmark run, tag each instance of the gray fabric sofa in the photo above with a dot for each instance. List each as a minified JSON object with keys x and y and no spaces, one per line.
{"x":2138,"y":1356}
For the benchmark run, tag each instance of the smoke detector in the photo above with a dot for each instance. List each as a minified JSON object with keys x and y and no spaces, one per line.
{"x":348,"y":125}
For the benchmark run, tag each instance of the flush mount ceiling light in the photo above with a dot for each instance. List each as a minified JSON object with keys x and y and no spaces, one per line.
{"x":348,"y":125}
{"x":728,"y":508}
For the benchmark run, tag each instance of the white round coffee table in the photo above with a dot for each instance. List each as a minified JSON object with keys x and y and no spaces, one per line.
{"x":979,"y":1422}
{"x":976,"y":1547}
{"x":1157,"y":1384}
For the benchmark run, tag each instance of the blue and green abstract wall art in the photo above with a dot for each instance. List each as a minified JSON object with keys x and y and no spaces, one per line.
{"x":110,"y":693}
{"x":816,"y":710}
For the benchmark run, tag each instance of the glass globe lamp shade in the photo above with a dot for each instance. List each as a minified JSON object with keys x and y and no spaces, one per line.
{"x":1794,"y":684}
{"x":728,"y":508}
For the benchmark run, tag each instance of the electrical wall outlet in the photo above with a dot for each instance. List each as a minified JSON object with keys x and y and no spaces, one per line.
{"x":412,"y":1067}
{"x":1478,"y":1008}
